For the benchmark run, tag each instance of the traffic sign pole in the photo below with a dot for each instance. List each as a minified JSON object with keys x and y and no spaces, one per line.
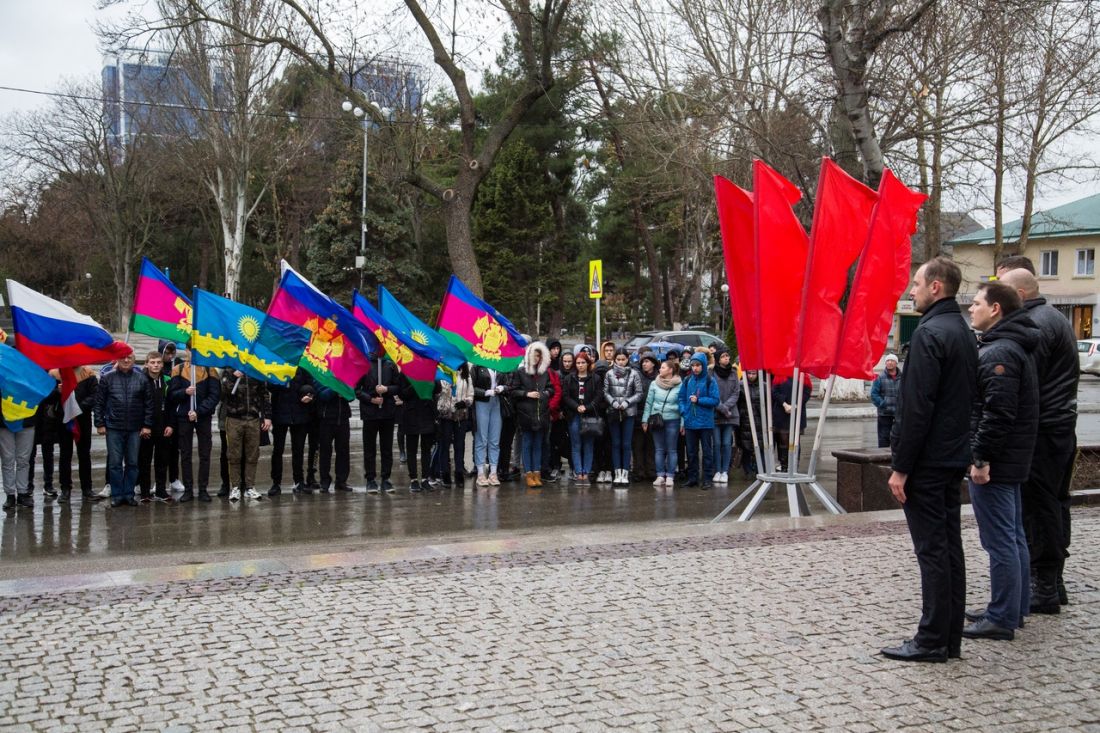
{"x":595,"y":291}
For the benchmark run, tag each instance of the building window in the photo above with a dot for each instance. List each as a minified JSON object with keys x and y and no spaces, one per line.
{"x":1049,"y":265}
{"x":1086,"y":262}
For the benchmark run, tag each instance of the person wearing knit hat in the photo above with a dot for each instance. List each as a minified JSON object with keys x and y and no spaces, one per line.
{"x":884,"y":395}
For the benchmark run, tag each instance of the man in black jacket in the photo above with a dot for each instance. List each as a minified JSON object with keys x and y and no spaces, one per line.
{"x":931,"y":452}
{"x":291,"y":411}
{"x":124,"y":413}
{"x":1004,"y":421}
{"x":378,"y":412}
{"x":1046,"y":491}
{"x":154,"y":453}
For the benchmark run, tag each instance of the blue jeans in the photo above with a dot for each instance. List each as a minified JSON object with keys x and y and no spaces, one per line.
{"x":665,"y":444}
{"x":723,"y":447}
{"x":487,"y":438}
{"x":622,"y":435}
{"x":583,"y":448}
{"x":532,"y":450}
{"x":999,"y":513}
{"x":122,"y":448}
{"x":693,"y":437}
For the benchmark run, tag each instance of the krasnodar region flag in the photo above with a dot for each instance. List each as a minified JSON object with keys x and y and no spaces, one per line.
{"x":160,"y":308}
{"x":225,"y":336}
{"x":416,"y":361}
{"x":474,"y":327}
{"x":410,"y":328}
{"x":331,"y":344}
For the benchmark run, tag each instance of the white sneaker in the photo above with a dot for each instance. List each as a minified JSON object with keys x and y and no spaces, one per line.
{"x":483,"y":476}
{"x":717,"y":478}
{"x":235,"y":494}
{"x":176,"y":485}
{"x":725,"y":477}
{"x":252,"y":494}
{"x":606,"y":477}
{"x":106,"y":492}
{"x":669,"y":481}
{"x":659,"y":482}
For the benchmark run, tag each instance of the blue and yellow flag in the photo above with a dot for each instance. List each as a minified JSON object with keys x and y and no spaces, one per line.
{"x":225,"y":336}
{"x":408,"y":328}
{"x":23,"y":386}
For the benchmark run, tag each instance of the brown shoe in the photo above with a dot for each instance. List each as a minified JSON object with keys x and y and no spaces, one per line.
{"x":538,"y":478}
{"x":530,"y":478}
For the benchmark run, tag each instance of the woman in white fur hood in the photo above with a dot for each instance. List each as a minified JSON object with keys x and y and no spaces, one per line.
{"x":531,"y":392}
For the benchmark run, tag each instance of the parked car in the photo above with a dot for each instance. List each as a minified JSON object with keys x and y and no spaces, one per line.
{"x":1088,"y":356}
{"x":685,"y":338}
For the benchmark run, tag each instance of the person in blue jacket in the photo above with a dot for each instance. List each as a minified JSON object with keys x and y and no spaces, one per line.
{"x":698,"y":399}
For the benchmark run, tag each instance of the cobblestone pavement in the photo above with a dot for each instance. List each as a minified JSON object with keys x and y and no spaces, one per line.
{"x":770,"y":630}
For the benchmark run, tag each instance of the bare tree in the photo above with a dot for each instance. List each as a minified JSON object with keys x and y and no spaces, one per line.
{"x":72,"y":144}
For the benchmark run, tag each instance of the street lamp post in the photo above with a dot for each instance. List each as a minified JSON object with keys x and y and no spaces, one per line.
{"x":362,"y":115}
{"x":725,"y":306}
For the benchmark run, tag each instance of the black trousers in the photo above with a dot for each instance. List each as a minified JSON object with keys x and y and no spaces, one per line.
{"x":645,"y":455}
{"x":507,"y":437}
{"x":297,"y":452}
{"x":83,"y":457}
{"x":186,"y":430}
{"x":559,"y":444}
{"x":313,"y":437}
{"x":377,"y":434}
{"x":425,"y":443}
{"x":452,"y":439}
{"x":932,"y":512}
{"x":885,"y":425}
{"x":1046,"y":502}
{"x":153,"y":459}
{"x":335,"y":436}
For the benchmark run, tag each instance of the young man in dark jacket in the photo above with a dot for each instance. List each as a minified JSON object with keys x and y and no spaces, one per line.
{"x":1003,"y":425}
{"x":378,"y":413}
{"x":334,"y":435}
{"x":931,"y":453}
{"x":153,"y":455}
{"x":247,"y":414}
{"x":124,"y":413}
{"x":195,"y":404}
{"x":291,"y":411}
{"x":1046,"y":491}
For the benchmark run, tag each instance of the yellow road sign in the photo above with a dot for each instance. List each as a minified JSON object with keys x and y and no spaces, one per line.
{"x":595,"y":278}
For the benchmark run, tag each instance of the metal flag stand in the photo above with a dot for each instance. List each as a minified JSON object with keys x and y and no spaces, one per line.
{"x":792,"y":478}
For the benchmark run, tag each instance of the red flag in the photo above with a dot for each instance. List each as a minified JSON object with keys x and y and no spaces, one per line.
{"x":739,"y":249}
{"x":842,"y":216}
{"x":882,"y":276}
{"x":781,"y":248}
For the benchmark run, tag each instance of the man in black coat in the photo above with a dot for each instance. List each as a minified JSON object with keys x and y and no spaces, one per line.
{"x":291,"y":411}
{"x":378,"y":412}
{"x":931,"y":452}
{"x":1046,"y":491}
{"x":1003,"y":424}
{"x":124,"y":413}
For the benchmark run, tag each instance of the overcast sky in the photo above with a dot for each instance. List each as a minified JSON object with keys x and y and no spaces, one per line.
{"x":43,"y":42}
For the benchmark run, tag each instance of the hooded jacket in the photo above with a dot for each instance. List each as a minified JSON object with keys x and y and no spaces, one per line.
{"x":1056,"y":367}
{"x":533,"y":413}
{"x":700,"y":414}
{"x":729,"y":389}
{"x":938,"y":388}
{"x":1005,"y":418}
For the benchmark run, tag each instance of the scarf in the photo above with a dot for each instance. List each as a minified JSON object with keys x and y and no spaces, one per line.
{"x":620,"y":371}
{"x":723,"y":371}
{"x":667,"y":384}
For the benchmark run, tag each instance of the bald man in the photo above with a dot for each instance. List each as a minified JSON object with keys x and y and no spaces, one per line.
{"x":1046,"y":493}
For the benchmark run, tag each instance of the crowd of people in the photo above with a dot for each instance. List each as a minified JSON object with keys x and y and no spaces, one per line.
{"x":570,"y":414}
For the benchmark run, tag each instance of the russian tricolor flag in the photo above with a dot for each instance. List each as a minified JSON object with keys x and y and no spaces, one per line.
{"x":54,"y":336}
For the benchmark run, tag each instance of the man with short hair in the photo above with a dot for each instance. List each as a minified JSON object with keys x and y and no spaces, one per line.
{"x":1014,"y":262}
{"x":156,"y":450}
{"x":247,"y":414}
{"x":931,"y":452}
{"x":1046,"y":491}
{"x":1003,"y":424}
{"x":124,"y":413}
{"x":884,"y":396}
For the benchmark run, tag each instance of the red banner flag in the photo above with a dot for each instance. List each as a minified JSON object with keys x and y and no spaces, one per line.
{"x":842,"y":217}
{"x":781,"y":249}
{"x":739,"y":249}
{"x":881,"y":278}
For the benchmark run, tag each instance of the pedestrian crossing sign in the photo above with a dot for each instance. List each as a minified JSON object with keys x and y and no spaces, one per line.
{"x":595,"y":279}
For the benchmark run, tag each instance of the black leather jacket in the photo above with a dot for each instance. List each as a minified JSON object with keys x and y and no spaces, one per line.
{"x":1056,"y":366}
{"x":938,"y":388}
{"x":1005,"y":417}
{"x":124,"y":401}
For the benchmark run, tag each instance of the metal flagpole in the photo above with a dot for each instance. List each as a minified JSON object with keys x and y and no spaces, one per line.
{"x":752,"y":421}
{"x":792,"y":426}
{"x":816,"y":450}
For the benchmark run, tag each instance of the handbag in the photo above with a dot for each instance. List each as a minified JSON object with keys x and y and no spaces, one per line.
{"x":656,"y":419}
{"x":591,"y":426}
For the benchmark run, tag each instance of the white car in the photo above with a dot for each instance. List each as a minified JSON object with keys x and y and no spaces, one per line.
{"x":1088,"y":356}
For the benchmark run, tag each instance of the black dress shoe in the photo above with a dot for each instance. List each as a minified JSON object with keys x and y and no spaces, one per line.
{"x":986,"y":629}
{"x":691,"y":484}
{"x":1063,"y":594}
{"x":910,"y":651}
{"x":955,"y":653}
{"x":9,"y":503}
{"x":302,"y":489}
{"x":343,"y":487}
{"x":204,"y":495}
{"x":223,"y":492}
{"x":25,"y":500}
{"x":131,"y":501}
{"x":187,"y":495}
{"x":115,"y":503}
{"x":974,"y":614}
{"x":275,"y":490}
